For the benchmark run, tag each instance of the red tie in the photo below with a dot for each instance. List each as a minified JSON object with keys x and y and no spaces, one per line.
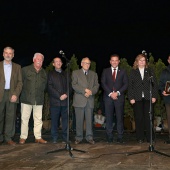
{"x":114,"y":74}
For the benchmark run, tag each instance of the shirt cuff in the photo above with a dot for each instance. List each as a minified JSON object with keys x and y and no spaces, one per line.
{"x":118,"y":92}
{"x":110,"y":94}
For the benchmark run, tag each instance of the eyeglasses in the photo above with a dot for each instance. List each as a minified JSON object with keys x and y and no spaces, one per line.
{"x":86,"y":63}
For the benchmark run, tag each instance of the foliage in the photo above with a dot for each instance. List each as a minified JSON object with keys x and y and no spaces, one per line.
{"x":159,"y":108}
{"x":159,"y":67}
{"x":46,"y":108}
{"x":49,"y":67}
{"x":128,"y":109}
{"x":73,"y":65}
{"x":124,"y":64}
{"x":93,"y":66}
{"x":97,"y":101}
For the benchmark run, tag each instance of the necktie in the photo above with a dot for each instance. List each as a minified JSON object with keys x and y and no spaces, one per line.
{"x":114,"y":74}
{"x":85,"y":73}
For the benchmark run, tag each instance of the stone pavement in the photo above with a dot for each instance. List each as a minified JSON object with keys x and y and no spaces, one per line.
{"x":33,"y":156}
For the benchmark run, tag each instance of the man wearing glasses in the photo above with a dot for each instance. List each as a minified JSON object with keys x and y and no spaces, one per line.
{"x":85,"y":85}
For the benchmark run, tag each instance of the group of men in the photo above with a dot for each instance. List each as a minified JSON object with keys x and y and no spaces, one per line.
{"x":29,"y":83}
{"x":84,"y":83}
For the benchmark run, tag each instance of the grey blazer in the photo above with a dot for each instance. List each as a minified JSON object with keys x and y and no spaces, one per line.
{"x":79,"y":83}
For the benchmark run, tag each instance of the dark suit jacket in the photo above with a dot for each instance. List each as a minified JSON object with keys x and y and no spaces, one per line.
{"x":137,"y":85}
{"x":120,"y":84}
{"x":15,"y":83}
{"x":79,"y":83}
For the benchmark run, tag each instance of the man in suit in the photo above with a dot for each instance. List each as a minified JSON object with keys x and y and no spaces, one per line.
{"x":85,"y":85}
{"x":10,"y":88}
{"x":114,"y":82}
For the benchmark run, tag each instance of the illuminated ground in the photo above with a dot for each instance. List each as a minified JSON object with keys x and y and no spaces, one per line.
{"x":32,"y":156}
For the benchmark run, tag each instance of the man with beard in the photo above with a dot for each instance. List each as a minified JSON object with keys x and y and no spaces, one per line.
{"x":10,"y":88}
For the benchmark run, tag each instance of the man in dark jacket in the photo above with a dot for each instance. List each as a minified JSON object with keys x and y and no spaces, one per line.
{"x":32,"y":97}
{"x":165,"y":76}
{"x":57,"y":89}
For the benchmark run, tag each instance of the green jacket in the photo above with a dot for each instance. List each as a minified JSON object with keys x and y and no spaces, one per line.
{"x":34,"y":84}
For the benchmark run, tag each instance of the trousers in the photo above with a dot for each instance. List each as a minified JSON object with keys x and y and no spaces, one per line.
{"x":26,"y":110}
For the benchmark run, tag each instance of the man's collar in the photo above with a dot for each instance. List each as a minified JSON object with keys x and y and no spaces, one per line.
{"x":85,"y":70}
{"x":59,"y":71}
{"x":7,"y":63}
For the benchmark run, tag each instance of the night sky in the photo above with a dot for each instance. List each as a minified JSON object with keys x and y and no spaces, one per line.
{"x":85,"y":28}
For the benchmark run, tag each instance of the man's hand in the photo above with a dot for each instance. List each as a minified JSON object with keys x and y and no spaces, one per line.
{"x":89,"y":92}
{"x":63,"y":97}
{"x":86,"y":95}
{"x":165,"y":94}
{"x":13,"y":98}
{"x":114,"y":95}
{"x":153,"y":100}
{"x":132,"y":101}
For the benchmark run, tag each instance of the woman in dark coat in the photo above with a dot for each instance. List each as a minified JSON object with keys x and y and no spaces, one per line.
{"x":139,"y":95}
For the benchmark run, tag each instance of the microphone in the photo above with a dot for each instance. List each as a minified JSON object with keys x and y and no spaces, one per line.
{"x":63,"y":55}
{"x":150,"y":76}
{"x":144,"y":52}
{"x":61,"y":52}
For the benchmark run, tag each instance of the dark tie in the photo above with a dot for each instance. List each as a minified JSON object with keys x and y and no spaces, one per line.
{"x":114,"y":74}
{"x":85,"y":73}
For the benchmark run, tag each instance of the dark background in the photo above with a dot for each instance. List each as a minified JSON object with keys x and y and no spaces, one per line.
{"x":85,"y":28}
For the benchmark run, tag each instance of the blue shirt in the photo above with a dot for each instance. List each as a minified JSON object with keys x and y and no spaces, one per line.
{"x":7,"y":73}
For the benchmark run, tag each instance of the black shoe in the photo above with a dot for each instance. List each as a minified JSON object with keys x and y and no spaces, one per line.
{"x":140,"y":141}
{"x":167,"y":141}
{"x":110,"y":140}
{"x":54,"y":141}
{"x":120,"y":140}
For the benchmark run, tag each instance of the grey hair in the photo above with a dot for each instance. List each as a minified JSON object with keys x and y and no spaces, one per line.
{"x":85,"y":59}
{"x":36,"y":54}
{"x":9,"y":48}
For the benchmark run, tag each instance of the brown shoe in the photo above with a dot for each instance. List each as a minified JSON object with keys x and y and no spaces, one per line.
{"x":91,"y":141}
{"x":22,"y":141}
{"x":77,"y":142}
{"x":40,"y":141}
{"x":10,"y":142}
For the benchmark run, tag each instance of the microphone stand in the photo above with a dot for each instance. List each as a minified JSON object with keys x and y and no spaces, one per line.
{"x":67,"y":146}
{"x":151,"y":147}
